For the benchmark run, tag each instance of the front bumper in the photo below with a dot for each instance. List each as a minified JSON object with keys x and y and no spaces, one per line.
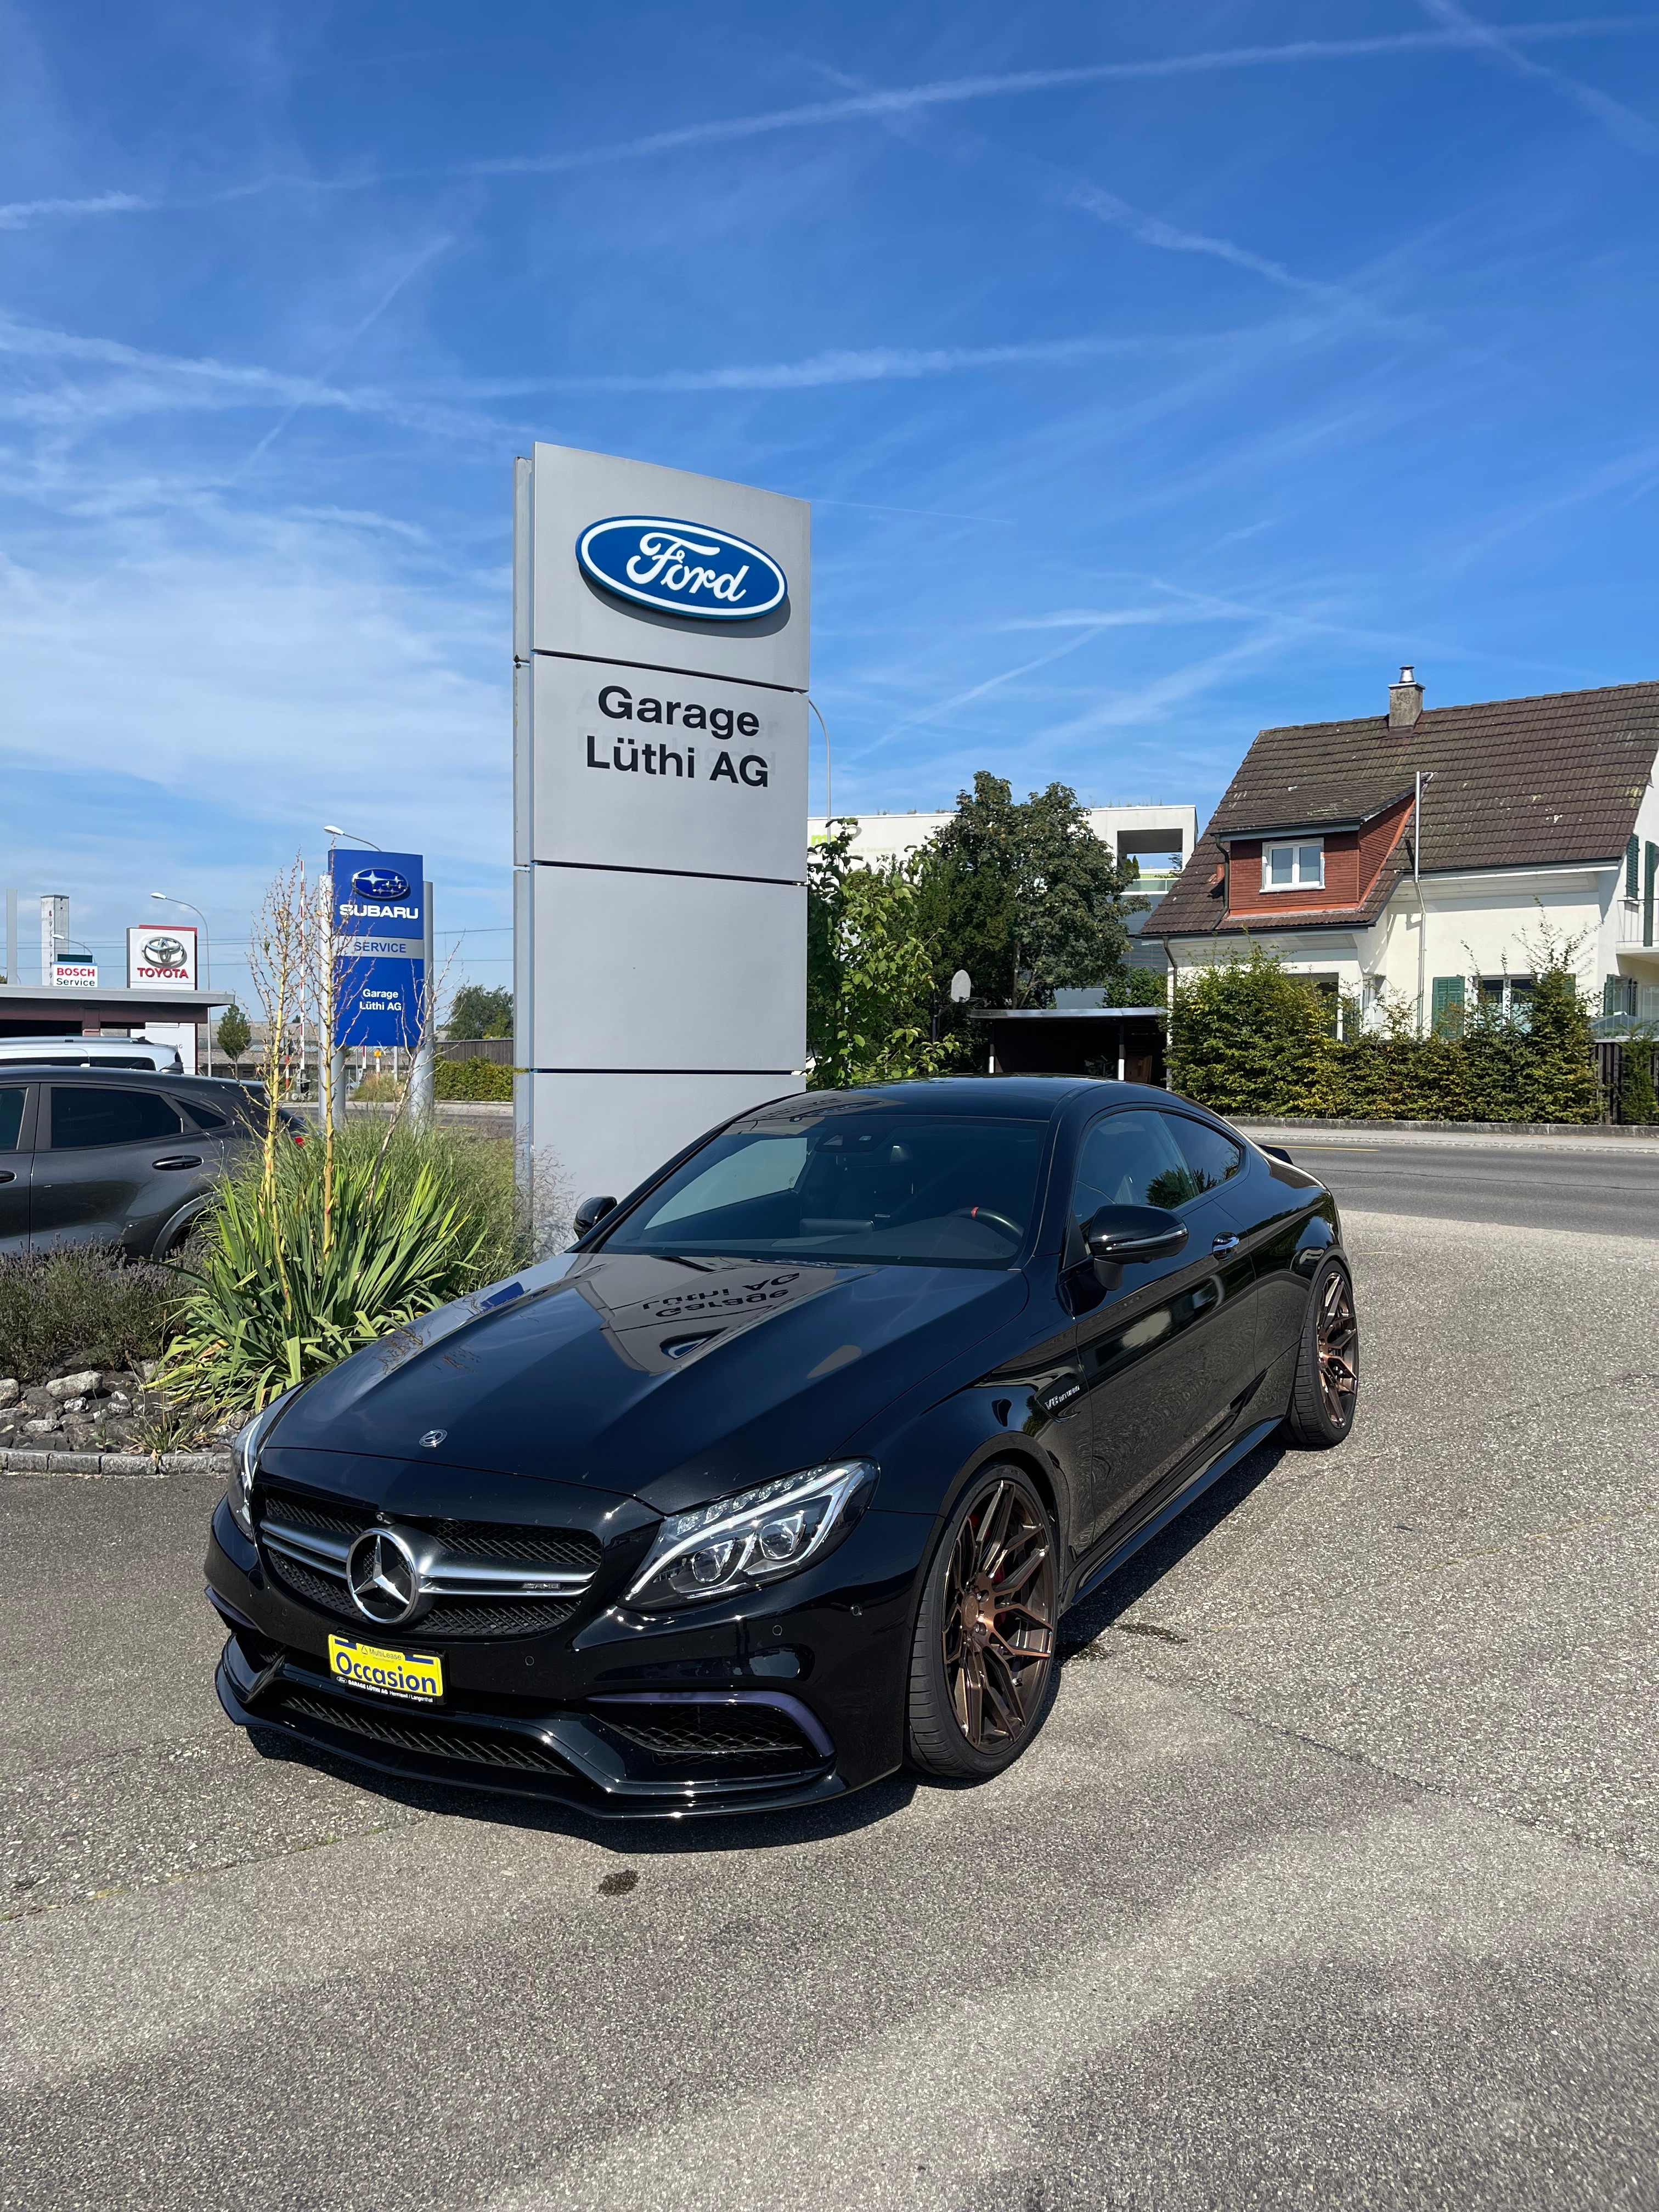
{"x":787,"y":1698}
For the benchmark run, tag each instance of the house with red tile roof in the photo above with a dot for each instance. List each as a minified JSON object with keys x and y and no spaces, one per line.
{"x":1420,"y":852}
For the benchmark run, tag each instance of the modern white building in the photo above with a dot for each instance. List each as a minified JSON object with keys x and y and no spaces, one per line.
{"x":1427,"y":853}
{"x":1160,"y":838}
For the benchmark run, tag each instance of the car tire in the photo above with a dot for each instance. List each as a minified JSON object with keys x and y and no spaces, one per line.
{"x":1325,"y":1392}
{"x":982,"y":1660}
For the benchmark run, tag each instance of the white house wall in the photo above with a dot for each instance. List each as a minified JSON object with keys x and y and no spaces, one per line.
{"x":1476,"y":925}
{"x":1624,"y":957}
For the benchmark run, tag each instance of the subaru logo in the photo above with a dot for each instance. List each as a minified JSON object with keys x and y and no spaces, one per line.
{"x":166,"y":952}
{"x":383,"y":885}
{"x":382,"y":1576}
{"x":682,"y":568}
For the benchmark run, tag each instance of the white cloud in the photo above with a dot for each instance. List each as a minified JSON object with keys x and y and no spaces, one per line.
{"x":276,"y":671}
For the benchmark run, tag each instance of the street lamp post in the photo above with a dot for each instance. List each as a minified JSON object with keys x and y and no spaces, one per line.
{"x":167,"y":898}
{"x":203,"y":979}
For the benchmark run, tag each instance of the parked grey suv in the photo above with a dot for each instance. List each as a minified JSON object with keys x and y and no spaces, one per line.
{"x":114,"y":1157}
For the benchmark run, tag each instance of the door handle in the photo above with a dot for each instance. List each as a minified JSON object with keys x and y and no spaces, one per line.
{"x":7,"y":1175}
{"x":178,"y":1160}
{"x":1224,"y":1243}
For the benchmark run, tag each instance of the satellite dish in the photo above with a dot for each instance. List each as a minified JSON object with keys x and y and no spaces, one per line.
{"x":962,"y":988}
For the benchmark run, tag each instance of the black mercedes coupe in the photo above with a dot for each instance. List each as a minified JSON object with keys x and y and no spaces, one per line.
{"x":783,"y":1475}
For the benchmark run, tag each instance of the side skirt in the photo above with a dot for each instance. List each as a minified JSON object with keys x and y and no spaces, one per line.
{"x":1189,"y":1493}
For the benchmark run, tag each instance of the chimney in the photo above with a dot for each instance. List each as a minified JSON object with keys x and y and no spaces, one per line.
{"x":1405,"y":701}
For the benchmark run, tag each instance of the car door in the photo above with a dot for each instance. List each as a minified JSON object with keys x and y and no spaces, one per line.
{"x":16,"y":1165}
{"x":1161,"y":1353}
{"x":111,"y":1165}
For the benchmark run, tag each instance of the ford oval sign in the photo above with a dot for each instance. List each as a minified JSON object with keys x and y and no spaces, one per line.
{"x":383,"y":885}
{"x":682,"y":568}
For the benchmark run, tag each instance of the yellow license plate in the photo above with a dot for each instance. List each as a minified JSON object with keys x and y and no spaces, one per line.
{"x":416,"y":1674}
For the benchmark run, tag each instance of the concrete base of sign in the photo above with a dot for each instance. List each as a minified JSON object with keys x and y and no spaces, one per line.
{"x":588,"y":1134}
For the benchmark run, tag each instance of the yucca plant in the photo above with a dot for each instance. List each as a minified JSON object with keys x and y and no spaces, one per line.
{"x":310,"y":1254}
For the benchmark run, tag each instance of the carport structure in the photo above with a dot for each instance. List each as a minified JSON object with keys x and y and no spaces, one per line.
{"x":1122,"y":1043}
{"x":176,"y":1017}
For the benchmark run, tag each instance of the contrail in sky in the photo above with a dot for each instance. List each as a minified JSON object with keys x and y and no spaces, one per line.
{"x":1458,"y":31}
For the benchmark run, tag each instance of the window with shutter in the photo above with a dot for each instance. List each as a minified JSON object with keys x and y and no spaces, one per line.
{"x":1446,"y":1014}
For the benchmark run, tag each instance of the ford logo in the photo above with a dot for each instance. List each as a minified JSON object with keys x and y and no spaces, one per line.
{"x":383,"y":885}
{"x":682,"y":568}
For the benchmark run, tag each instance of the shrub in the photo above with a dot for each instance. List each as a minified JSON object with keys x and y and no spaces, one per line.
{"x":471,"y":1079}
{"x":83,"y":1303}
{"x":319,"y":1251}
{"x":1637,"y":1100}
{"x":1245,"y":1037}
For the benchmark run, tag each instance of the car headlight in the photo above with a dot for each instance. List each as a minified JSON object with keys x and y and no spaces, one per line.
{"x":758,"y":1537}
{"x":244,"y":1459}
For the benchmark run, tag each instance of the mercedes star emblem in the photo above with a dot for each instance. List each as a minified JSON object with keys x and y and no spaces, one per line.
{"x":382,"y":1576}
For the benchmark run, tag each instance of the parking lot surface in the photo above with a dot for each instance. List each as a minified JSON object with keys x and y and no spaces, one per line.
{"x":1334,"y":1877}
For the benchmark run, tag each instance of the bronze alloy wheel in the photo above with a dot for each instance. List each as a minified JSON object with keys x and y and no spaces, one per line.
{"x":1325,"y":1391}
{"x":1339,"y":1347}
{"x":997,"y":1630}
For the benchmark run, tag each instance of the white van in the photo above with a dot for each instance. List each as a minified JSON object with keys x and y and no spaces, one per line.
{"x":91,"y":1052}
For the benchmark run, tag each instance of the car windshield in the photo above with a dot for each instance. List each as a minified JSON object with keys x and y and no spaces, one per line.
{"x":919,"y":1190}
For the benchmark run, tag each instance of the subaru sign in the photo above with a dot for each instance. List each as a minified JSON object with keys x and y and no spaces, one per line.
{"x":378,"y":894}
{"x":682,"y":568}
{"x":380,"y":933}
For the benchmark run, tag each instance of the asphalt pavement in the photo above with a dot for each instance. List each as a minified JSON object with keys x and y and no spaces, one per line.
{"x":1609,"y":1186}
{"x":1333,"y":1878}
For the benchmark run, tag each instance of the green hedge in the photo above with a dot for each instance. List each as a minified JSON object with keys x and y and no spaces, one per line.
{"x":471,"y":1079}
{"x":1247,"y":1037}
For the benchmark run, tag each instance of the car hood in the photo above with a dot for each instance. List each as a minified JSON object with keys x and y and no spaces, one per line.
{"x":674,"y":1381}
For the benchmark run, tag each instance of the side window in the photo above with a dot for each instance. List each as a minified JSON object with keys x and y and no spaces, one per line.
{"x":204,"y":1117}
{"x":82,"y":1117}
{"x":1130,"y":1159}
{"x":1211,"y":1156}
{"x":11,"y":1117}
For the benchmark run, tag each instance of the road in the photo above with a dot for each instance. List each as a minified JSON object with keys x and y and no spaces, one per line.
{"x":1334,"y":1877}
{"x":1609,"y":1186}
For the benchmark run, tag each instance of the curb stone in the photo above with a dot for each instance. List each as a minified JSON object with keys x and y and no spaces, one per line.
{"x":1624,"y":1132}
{"x":93,"y":1465}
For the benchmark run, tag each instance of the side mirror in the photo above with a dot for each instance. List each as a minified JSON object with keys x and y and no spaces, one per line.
{"x":1119,"y":1236}
{"x":590,"y":1212}
{"x":1277,"y":1153}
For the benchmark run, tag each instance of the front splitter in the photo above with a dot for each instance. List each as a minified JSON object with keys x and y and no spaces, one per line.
{"x":574,"y":1791}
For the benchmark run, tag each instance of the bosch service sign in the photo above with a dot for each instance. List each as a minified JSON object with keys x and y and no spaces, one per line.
{"x":162,"y":959}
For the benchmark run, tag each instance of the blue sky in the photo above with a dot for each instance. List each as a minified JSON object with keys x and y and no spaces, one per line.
{"x":1155,"y":373}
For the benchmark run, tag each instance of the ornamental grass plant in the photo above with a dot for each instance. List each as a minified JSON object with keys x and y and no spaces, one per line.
{"x":312,"y":1251}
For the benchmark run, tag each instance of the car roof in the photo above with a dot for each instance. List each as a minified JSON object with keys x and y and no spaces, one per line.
{"x":1002,"y":1098}
{"x":65,"y":1071}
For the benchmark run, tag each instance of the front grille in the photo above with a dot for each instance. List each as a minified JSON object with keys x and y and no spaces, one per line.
{"x":680,"y":1732}
{"x":486,"y":1578}
{"x":459,"y":1618}
{"x":539,"y":1548}
{"x":430,"y":1738}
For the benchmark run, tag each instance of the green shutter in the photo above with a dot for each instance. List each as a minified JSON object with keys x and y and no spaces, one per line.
{"x":1633,"y":866}
{"x":1648,"y":872}
{"x":1447,"y":1015}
